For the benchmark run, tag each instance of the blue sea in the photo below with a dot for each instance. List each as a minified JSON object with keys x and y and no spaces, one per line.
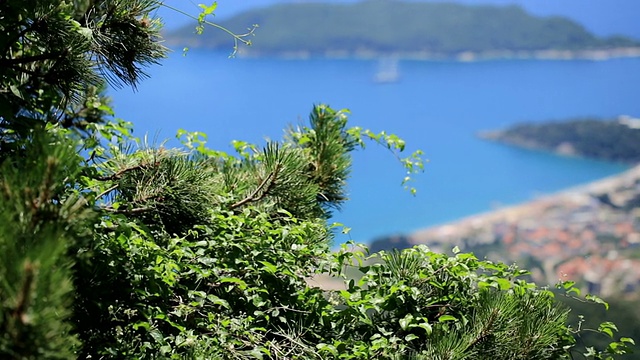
{"x":436,"y":106}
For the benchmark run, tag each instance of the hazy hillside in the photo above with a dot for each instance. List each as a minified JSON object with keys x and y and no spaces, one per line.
{"x":380,"y":27}
{"x":602,"y":17}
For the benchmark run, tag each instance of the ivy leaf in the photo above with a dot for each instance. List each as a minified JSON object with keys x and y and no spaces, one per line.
{"x":597,"y":300}
{"x":241,"y":284}
{"x":207,"y":10}
{"x":269,"y":267}
{"x":406,"y":321}
{"x":444,"y":318}
{"x":608,"y":328}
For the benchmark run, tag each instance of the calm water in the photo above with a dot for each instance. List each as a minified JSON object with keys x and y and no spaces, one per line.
{"x":437,"y":107}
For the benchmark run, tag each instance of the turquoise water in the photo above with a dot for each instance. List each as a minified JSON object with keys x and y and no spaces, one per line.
{"x":436,"y":106}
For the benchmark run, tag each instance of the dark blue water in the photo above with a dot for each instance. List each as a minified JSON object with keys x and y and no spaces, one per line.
{"x":436,"y":106}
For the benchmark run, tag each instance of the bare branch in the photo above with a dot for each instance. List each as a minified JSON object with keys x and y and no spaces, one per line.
{"x":118,"y":175}
{"x":126,"y":211}
{"x":106,"y":191}
{"x":258,"y":194}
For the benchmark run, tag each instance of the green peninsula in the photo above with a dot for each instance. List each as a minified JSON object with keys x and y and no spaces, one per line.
{"x":408,"y":29}
{"x":612,"y":140}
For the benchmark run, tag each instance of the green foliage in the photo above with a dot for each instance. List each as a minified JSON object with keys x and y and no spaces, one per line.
{"x":202,"y":21}
{"x":607,"y":140}
{"x":233,"y":282}
{"x":401,"y":27}
{"x":189,"y":234}
{"x":130,"y":251}
{"x":433,"y":306}
{"x":41,"y":217}
{"x":54,"y":54}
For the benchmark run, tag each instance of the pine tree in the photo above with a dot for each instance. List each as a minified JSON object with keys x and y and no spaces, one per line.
{"x":39,"y":221}
{"x":55,"y":57}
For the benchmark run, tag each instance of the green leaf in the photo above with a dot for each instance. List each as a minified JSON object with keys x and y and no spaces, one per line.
{"x":141,"y":324}
{"x":156,"y":335}
{"x":426,"y":326}
{"x":608,"y":328}
{"x":269,"y":267}
{"x":444,"y":318}
{"x":406,"y":321}
{"x":328,"y":348}
{"x":573,"y":290}
{"x":627,"y":340}
{"x":597,"y":300}
{"x":241,"y":284}
{"x":256,"y":353}
{"x":218,"y":301}
{"x":410,"y":337}
{"x":504,"y":284}
{"x":208,"y":10}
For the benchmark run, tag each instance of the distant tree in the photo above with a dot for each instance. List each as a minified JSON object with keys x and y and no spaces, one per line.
{"x":610,"y":140}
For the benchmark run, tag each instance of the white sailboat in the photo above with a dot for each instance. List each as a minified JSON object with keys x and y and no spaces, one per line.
{"x":387,"y":71}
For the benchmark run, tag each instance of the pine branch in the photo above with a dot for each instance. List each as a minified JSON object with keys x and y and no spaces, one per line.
{"x":30,"y":59}
{"x":127,"y":211}
{"x":258,"y":194}
{"x":25,"y":293}
{"x":486,"y":329}
{"x":106,"y":191}
{"x":118,"y":175}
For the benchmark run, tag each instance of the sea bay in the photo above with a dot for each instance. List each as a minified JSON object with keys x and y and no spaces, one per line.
{"x":436,"y":106}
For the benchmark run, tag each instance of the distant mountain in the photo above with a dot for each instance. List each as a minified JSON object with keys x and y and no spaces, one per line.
{"x":379,"y":27}
{"x":602,"y":17}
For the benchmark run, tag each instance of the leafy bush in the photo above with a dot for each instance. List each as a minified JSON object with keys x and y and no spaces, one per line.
{"x":201,"y":254}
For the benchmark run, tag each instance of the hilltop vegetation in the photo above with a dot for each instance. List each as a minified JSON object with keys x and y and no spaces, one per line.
{"x":606,"y":140}
{"x":414,"y":28}
{"x":112,"y":248}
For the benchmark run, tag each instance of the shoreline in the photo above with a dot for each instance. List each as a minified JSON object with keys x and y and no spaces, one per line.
{"x":464,"y":56}
{"x":245,"y":52}
{"x":519,"y":211}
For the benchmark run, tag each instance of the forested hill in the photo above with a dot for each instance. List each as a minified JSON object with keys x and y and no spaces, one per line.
{"x":615,"y":140}
{"x":422,"y":29}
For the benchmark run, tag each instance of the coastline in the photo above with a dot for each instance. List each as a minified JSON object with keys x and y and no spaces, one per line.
{"x":526,"y":209}
{"x":464,"y":56}
{"x":589,"y":234}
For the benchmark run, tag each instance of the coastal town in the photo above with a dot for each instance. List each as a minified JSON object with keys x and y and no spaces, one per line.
{"x":589,"y":234}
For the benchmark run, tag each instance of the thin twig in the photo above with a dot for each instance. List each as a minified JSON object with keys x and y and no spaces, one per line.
{"x":106,"y":191}
{"x":270,"y":180}
{"x":30,"y":59}
{"x":25,"y":293}
{"x":236,"y":38}
{"x":118,"y":175}
{"x":127,"y":211}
